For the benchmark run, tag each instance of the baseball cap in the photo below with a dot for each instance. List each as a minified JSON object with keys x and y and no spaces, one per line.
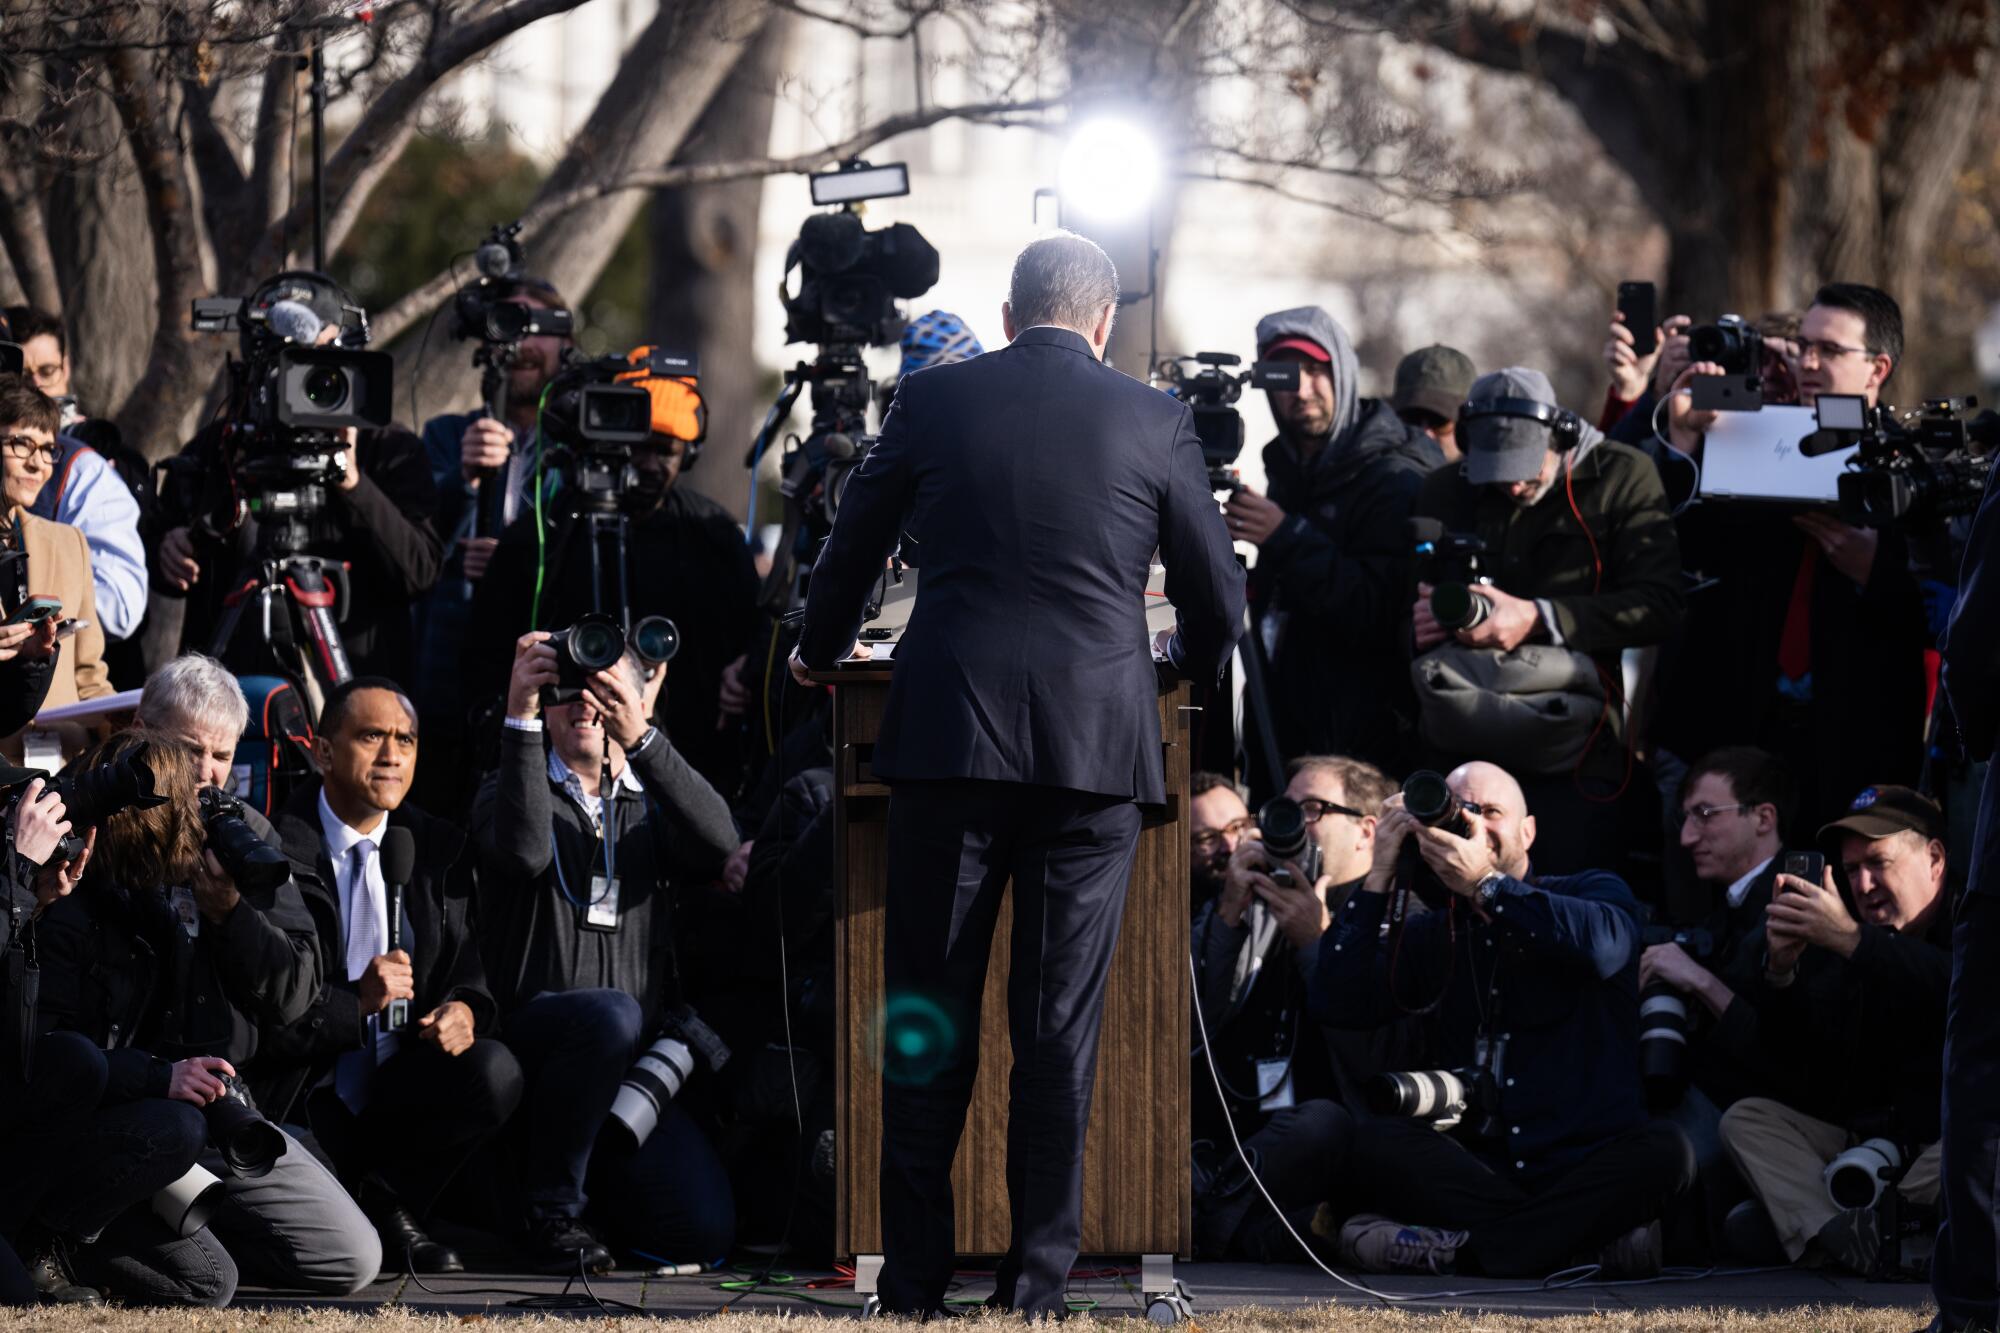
{"x":1306,"y":329}
{"x":1502,"y":450}
{"x":1433,"y":379}
{"x":1880,"y":811}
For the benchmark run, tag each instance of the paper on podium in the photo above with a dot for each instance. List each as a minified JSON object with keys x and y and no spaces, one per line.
{"x":901,"y":598}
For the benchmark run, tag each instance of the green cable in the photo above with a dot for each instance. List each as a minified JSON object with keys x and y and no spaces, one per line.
{"x":541,"y":532}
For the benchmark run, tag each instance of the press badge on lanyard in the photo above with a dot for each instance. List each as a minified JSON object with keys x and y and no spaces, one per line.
{"x":601,"y":913}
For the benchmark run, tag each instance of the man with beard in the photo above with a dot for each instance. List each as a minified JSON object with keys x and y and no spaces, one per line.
{"x":685,"y":559}
{"x":1533,"y":980}
{"x":1218,"y":822}
{"x":1332,"y":548}
{"x":1581,"y":554}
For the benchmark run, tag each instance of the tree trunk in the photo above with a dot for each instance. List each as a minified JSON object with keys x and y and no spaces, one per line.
{"x":704,"y":243}
{"x":104,"y":257}
{"x":665,"y":79}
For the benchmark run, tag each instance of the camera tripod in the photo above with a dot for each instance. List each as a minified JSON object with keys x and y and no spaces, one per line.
{"x":840,"y":393}
{"x":300,"y":601}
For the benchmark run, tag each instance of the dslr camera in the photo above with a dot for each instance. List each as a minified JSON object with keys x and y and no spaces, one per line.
{"x":250,"y":861}
{"x":657,"y":1075}
{"x":480,"y":313}
{"x":1738,"y":348}
{"x":1450,"y":563}
{"x":1912,"y":469}
{"x":1206,"y":384}
{"x":92,"y":795}
{"x":1285,"y":836}
{"x":596,"y":642}
{"x":1428,"y":799}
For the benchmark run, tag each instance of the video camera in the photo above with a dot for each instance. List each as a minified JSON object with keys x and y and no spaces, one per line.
{"x":594,"y":414}
{"x":1211,"y":391}
{"x":1450,"y":563}
{"x":1912,"y":469}
{"x":481,"y":313}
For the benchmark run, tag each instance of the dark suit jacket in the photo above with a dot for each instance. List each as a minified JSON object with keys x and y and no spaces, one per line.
{"x":1042,"y":481}
{"x":437,"y":934}
{"x":1972,"y":676}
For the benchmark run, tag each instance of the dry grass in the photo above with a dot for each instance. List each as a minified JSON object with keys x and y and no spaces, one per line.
{"x":1248,"y":1319}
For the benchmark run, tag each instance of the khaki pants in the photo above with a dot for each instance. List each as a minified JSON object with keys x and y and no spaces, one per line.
{"x":1784,"y":1154}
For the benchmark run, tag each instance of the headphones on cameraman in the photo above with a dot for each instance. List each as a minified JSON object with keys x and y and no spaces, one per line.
{"x":1565,"y":426}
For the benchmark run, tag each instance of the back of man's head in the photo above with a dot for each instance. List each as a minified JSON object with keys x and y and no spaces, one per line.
{"x":1881,"y":317}
{"x":1064,"y":280}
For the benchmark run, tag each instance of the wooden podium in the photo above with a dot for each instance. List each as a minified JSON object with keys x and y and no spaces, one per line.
{"x":1137,"y":1192}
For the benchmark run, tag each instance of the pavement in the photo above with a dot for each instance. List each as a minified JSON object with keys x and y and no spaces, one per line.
{"x":1212,"y":1287}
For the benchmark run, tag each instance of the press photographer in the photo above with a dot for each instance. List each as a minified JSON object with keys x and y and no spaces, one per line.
{"x":1581,"y":563}
{"x":1851,"y":1004}
{"x":1531,"y":982}
{"x":398,"y":1032}
{"x":1218,"y":823}
{"x":577,"y":925}
{"x":44,"y":566}
{"x":1332,"y":562}
{"x":1431,"y":384}
{"x":357,"y":493}
{"x":677,"y":553}
{"x":1810,"y":622}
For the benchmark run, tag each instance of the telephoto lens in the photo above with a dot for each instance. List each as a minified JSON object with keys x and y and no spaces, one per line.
{"x":655,"y":640}
{"x":187,"y":1204}
{"x":1282,"y":829}
{"x":1437,"y":1095}
{"x":1857,"y":1177}
{"x":1663,"y":1045}
{"x":655,"y":1077}
{"x":1428,"y":798}
{"x":594,"y":643}
{"x":95,"y":794}
{"x":1456,"y":606}
{"x":251,"y":862}
{"x":250,"y":1145}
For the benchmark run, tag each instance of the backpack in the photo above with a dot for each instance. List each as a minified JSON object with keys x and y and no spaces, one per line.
{"x":276,"y":750}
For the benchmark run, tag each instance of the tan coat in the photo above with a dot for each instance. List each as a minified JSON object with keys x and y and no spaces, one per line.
{"x":59,"y":567}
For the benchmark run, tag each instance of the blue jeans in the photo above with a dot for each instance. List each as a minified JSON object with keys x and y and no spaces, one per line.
{"x":671,"y":1196}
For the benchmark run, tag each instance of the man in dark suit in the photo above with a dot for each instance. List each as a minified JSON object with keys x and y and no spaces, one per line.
{"x":398,"y":1111}
{"x":1021,"y":731}
{"x":1963,"y":1267}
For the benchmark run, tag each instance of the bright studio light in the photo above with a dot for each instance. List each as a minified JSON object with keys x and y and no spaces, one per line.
{"x":1108,"y":170}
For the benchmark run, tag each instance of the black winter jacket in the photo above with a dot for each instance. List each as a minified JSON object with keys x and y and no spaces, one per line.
{"x":1335,"y":575}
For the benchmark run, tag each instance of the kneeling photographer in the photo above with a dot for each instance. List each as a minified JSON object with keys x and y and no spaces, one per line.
{"x":358,"y":494}
{"x":1533,"y":984}
{"x":1288,"y":1084}
{"x":188,"y":941}
{"x":583,"y":831}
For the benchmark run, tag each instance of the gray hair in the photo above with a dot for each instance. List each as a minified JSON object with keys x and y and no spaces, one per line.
{"x":193,"y":690}
{"x":1063,"y":280}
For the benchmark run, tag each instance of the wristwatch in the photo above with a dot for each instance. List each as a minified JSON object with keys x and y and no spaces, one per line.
{"x":1487,"y":892}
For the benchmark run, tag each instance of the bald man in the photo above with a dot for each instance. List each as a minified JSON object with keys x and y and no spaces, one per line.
{"x":1534,"y":980}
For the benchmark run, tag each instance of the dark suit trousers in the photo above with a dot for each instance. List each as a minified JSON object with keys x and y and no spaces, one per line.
{"x":953,"y":847}
{"x":1963,"y":1272}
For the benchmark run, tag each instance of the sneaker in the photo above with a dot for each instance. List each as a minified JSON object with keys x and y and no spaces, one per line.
{"x":49,"y":1271}
{"x":1637,"y":1253}
{"x":1375,"y":1244}
{"x":554,"y":1244}
{"x":1853,"y":1240}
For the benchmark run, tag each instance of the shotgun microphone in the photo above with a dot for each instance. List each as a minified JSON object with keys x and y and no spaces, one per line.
{"x":399,"y":862}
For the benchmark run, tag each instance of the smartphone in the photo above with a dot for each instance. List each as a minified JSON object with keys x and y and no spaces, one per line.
{"x":69,"y":627}
{"x":1638,"y":302}
{"x":1726,"y":393}
{"x":1808,"y":866}
{"x":34,"y":611}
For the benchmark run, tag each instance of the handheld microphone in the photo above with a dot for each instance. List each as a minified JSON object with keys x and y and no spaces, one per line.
{"x":399,"y":863}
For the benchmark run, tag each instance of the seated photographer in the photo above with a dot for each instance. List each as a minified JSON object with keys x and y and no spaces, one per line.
{"x":391,"y":1068}
{"x":80,"y":1160}
{"x":121,"y":965}
{"x":57,"y":567}
{"x":1332,"y":554}
{"x":1431,"y":382}
{"x":1809,"y":622}
{"x":1532,"y":984}
{"x":685,"y":559}
{"x":1289,"y":1084}
{"x":89,"y":490}
{"x":1850,"y":1001}
{"x":377,"y":519}
{"x":1580,"y":550}
{"x":1218,"y":821}
{"x":576,"y":920}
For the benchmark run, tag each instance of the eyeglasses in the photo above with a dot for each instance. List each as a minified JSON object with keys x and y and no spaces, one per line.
{"x":44,"y":374}
{"x":27,"y":446}
{"x":1824,"y":351}
{"x":1211,"y":838}
{"x":1315,"y":810}
{"x":1701,"y":814}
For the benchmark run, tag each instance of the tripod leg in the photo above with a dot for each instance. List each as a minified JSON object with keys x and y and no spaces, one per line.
{"x":1250,"y":653}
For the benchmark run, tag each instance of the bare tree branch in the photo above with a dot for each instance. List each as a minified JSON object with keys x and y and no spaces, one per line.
{"x":25,"y":233}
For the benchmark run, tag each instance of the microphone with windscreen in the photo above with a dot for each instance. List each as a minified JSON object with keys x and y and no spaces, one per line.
{"x":399,"y":862}
{"x":294,"y":321}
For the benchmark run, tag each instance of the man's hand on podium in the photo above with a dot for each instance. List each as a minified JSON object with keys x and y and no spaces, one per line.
{"x":803,"y":673}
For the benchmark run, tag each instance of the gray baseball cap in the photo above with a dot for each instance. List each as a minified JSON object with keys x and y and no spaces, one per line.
{"x":1433,"y":379}
{"x":1502,"y":450}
